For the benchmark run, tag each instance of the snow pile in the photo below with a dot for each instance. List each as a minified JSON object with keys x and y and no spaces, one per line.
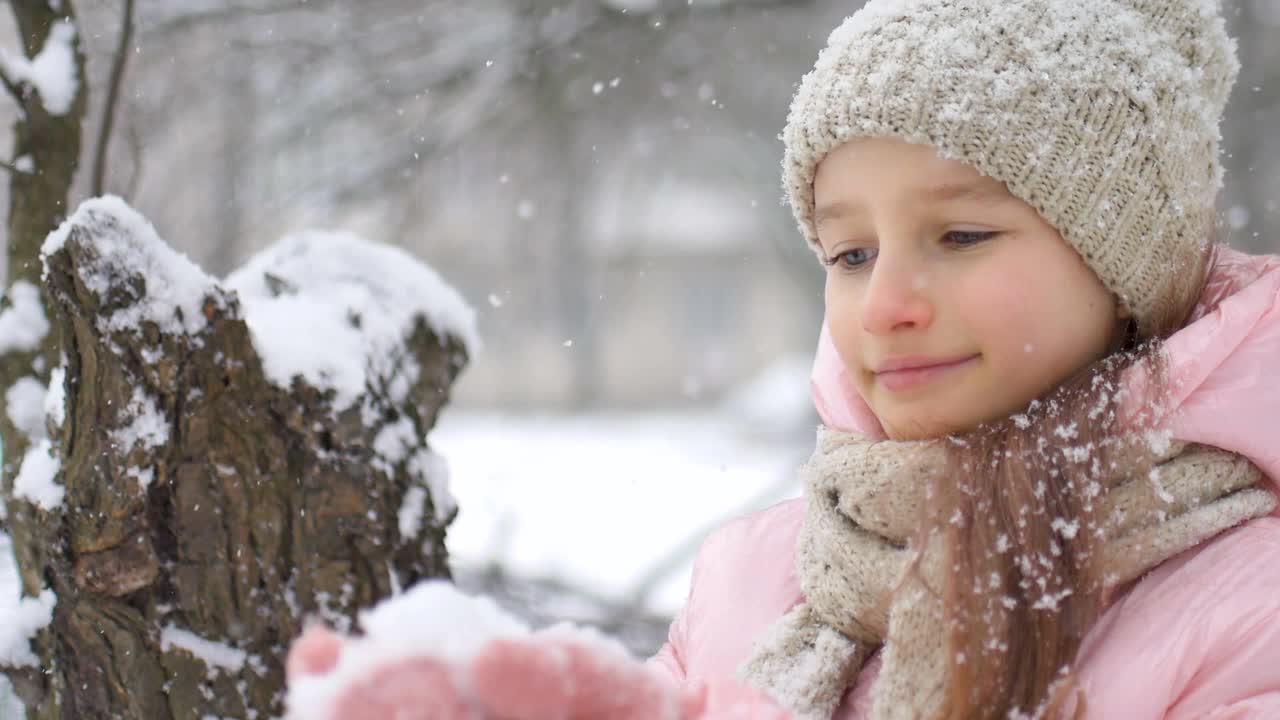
{"x":410,"y":513}
{"x":213,"y":654}
{"x":432,"y":471}
{"x":29,"y":404}
{"x":35,"y":481}
{"x":396,"y":443}
{"x":23,"y":619}
{"x":430,"y":474}
{"x":52,"y":72}
{"x":24,"y":404}
{"x":55,"y":400}
{"x":129,"y":247}
{"x":147,"y":423}
{"x":431,"y":619}
{"x":391,"y":447}
{"x":23,"y":325}
{"x":334,"y":309}
{"x":393,"y":442}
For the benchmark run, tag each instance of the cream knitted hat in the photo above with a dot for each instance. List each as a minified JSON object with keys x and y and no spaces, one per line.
{"x":1101,"y":114}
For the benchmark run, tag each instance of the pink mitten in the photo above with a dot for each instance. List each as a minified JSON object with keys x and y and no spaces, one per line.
{"x":556,"y":674}
{"x":407,"y":689}
{"x":571,"y":674}
{"x":544,"y":676}
{"x":435,"y":654}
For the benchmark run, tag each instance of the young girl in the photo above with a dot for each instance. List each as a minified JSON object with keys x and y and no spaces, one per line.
{"x":1045,"y":485}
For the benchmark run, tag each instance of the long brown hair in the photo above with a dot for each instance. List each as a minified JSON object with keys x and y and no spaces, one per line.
{"x":1024,"y":546}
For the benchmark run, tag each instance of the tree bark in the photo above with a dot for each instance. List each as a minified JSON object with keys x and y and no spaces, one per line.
{"x":262,"y":505}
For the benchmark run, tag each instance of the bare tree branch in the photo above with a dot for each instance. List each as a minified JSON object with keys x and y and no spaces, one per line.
{"x":135,"y":153}
{"x":182,"y":21}
{"x":113,"y":95}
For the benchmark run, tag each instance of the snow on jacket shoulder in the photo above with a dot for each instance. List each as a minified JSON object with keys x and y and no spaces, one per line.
{"x":1198,"y":637}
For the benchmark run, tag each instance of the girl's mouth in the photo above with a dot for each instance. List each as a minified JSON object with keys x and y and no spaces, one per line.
{"x":906,"y":373}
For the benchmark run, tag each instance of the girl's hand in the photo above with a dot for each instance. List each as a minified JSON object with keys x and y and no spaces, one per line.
{"x":549,"y":675}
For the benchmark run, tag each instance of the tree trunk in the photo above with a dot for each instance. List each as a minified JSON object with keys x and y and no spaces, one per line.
{"x":37,"y":204}
{"x":46,"y":153}
{"x":208,"y":511}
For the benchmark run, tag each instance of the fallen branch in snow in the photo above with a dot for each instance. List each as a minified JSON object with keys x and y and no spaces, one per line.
{"x":227,"y":458}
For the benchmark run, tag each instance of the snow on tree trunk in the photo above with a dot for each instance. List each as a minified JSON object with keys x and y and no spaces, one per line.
{"x":223,"y":460}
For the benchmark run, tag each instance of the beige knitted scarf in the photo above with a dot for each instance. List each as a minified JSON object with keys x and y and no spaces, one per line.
{"x":862,"y":510}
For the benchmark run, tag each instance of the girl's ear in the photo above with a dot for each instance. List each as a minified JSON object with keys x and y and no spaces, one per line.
{"x":1122,"y":311}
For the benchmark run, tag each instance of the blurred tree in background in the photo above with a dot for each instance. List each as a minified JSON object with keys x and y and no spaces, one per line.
{"x":601,"y":176}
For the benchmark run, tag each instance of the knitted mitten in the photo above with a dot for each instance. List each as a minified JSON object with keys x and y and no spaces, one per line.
{"x":556,"y":674}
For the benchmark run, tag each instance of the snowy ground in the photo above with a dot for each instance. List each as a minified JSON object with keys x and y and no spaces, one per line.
{"x":613,"y":504}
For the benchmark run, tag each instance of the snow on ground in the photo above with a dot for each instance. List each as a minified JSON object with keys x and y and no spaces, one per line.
{"x":601,"y":502}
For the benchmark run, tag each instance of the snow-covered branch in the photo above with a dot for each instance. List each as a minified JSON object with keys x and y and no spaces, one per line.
{"x":51,"y":73}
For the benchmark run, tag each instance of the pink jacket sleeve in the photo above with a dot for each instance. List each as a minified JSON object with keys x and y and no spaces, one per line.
{"x":743,"y":580}
{"x":668,"y":658}
{"x":1235,"y":662}
{"x":1198,"y":637}
{"x":1261,"y":707}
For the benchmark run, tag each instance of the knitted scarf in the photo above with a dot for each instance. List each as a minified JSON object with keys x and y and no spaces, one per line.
{"x":863,"y":501}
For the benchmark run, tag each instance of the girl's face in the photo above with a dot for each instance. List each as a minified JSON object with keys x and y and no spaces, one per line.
{"x":950,"y":301}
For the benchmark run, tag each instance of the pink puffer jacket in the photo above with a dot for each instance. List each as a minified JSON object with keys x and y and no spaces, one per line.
{"x":1198,"y":637}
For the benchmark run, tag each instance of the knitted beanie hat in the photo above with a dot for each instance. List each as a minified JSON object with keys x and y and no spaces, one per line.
{"x":1101,"y":114}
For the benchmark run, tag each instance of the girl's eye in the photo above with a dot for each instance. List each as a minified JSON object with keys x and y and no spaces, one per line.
{"x":965,"y":238}
{"x":857,"y":257}
{"x":852,"y":259}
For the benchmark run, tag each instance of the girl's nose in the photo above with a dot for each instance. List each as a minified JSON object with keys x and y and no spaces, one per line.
{"x":896,"y":297}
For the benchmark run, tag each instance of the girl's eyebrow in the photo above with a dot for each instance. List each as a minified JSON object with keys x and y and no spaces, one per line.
{"x":978,"y":192}
{"x":983,"y":192}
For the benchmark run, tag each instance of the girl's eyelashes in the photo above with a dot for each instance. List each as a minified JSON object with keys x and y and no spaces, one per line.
{"x":857,"y":257}
{"x":851,"y":259}
{"x":965,"y":238}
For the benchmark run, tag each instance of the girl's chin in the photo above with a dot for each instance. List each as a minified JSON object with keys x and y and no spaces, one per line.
{"x":910,"y":427}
